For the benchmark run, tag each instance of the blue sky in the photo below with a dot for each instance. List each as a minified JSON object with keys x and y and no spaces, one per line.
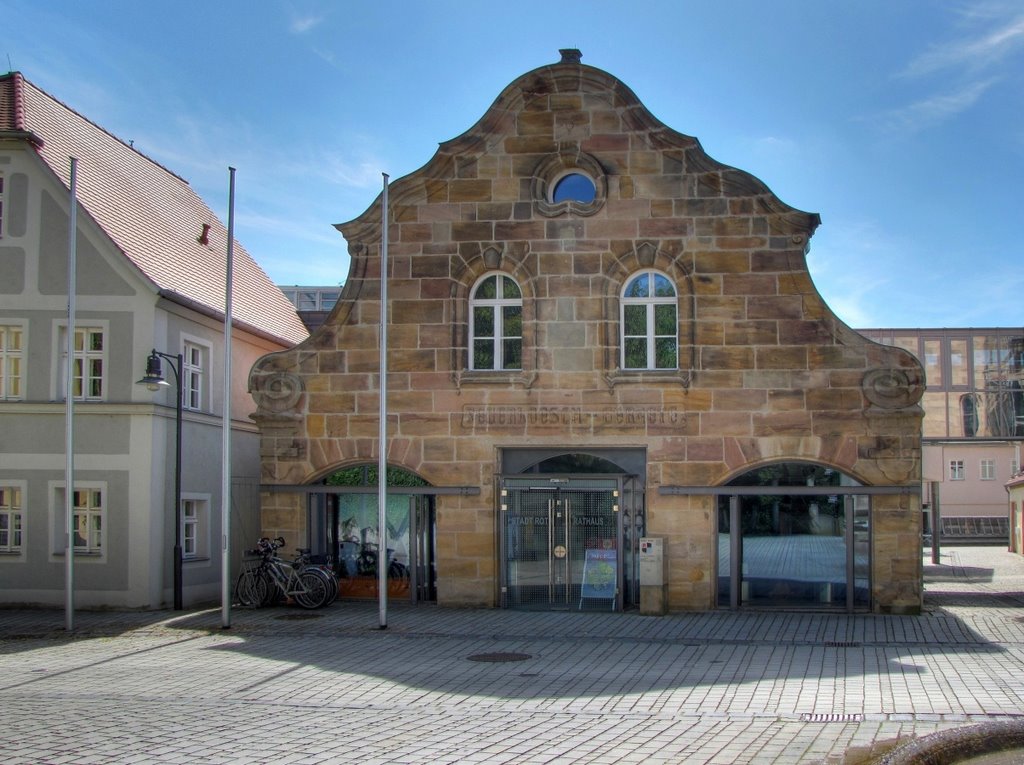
{"x":901,"y":122}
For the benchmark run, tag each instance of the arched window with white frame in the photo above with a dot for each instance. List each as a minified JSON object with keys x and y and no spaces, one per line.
{"x":496,"y":324}
{"x":649,"y":320}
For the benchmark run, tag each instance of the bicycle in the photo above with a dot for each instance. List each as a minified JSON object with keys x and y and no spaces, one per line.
{"x":261,"y":583}
{"x":366,"y":564}
{"x":304,"y":559}
{"x":252,"y":589}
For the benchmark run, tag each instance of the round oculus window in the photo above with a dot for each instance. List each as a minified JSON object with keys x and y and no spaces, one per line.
{"x":574,"y":187}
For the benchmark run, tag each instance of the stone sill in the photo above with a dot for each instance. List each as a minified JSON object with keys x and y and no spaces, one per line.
{"x":516,"y":377}
{"x":647,"y":376}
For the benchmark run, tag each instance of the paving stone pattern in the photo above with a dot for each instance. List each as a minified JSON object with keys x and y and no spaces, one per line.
{"x":310,"y":688}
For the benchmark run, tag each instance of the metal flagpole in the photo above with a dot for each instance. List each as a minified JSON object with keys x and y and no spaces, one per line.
{"x":382,"y":461}
{"x":69,"y":406}
{"x":225,"y":486}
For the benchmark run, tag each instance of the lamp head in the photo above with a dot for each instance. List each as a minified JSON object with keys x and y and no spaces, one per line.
{"x":154,"y":377}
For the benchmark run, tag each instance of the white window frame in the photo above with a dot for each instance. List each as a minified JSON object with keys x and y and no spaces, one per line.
{"x":327,"y":299}
{"x":649,"y":302}
{"x":3,"y":198}
{"x":987,"y":470}
{"x":195,"y":377}
{"x":94,"y":517}
{"x":956,"y":470}
{"x":12,"y":357}
{"x":12,"y":510}
{"x":498,"y":305}
{"x":86,"y":356}
{"x":195,"y":526}
{"x":313,"y":298}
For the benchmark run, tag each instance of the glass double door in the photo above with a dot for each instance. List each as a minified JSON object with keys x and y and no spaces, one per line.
{"x":560,"y":543}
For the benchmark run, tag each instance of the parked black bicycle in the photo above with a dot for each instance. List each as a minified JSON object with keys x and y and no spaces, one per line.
{"x":267,"y":580}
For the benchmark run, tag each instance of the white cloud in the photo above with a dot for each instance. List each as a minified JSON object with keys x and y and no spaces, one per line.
{"x":325,"y":55}
{"x":853,"y":300}
{"x":773,"y":146}
{"x":849,"y":288}
{"x":299,"y":25}
{"x":976,"y":52}
{"x":872,"y":279}
{"x":199,"y":145}
{"x":320,"y":232}
{"x":960,"y":61}
{"x":935,"y":109}
{"x":856,"y":266}
{"x":363,"y":173}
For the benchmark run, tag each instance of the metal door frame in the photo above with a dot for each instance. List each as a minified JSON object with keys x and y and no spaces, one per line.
{"x":736,"y":539}
{"x":633,"y":506}
{"x":558,"y":484}
{"x":422,"y":549}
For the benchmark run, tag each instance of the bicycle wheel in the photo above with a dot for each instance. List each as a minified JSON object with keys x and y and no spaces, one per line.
{"x":329,"y":579}
{"x":243,"y":590}
{"x":251,"y":589}
{"x":266,"y":588}
{"x":314,"y":590}
{"x":332,"y":583}
{"x":274,"y":594}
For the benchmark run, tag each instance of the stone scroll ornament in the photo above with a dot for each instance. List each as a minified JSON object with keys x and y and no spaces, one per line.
{"x":893,"y":387}
{"x":277,"y":392}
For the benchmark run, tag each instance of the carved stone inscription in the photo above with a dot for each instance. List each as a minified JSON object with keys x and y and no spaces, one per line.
{"x":496,"y":417}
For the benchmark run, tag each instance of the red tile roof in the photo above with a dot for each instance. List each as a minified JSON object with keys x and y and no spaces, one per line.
{"x":151,"y":214}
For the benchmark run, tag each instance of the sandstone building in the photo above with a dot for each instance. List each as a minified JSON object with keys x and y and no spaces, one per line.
{"x":596,"y":334}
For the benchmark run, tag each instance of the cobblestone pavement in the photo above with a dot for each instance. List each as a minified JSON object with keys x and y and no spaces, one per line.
{"x":441,"y":685}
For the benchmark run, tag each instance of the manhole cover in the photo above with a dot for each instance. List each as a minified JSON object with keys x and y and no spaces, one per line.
{"x":296,"y":617}
{"x":501,"y":656}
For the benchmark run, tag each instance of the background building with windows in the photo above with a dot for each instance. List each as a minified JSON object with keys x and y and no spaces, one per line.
{"x":314,"y":304}
{"x":1015,"y":490}
{"x":973,"y":422}
{"x":597,"y":333}
{"x":151,"y":275}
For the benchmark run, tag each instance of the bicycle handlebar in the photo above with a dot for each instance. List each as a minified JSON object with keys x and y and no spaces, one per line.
{"x":267,"y":546}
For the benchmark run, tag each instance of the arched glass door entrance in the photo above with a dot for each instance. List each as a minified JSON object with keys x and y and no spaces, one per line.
{"x":569,"y":528}
{"x":345,"y":525}
{"x":794,"y":535}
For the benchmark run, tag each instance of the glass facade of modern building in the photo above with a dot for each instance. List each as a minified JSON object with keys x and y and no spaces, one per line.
{"x":974,"y":377}
{"x":312,"y":298}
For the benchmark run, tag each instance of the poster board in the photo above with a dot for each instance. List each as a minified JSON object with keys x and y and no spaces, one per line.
{"x":600,"y":576}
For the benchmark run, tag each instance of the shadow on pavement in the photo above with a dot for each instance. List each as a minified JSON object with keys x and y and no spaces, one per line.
{"x":514,"y":654}
{"x":939,"y":573}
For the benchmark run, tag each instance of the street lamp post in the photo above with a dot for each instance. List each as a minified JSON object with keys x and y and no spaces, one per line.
{"x":154,"y":380}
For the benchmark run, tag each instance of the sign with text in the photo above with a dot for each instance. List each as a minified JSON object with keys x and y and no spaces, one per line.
{"x":600,"y":575}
